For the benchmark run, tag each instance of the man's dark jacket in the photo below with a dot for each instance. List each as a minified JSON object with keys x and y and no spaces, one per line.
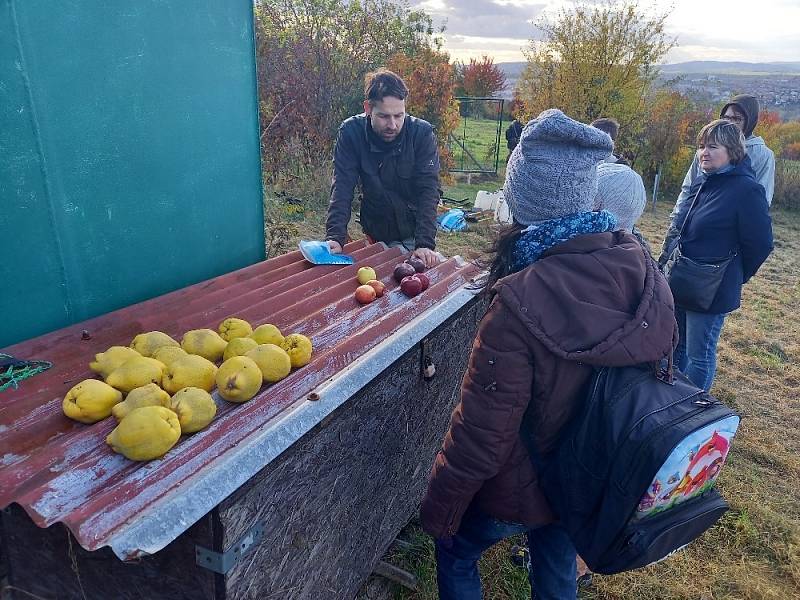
{"x":399,"y":182}
{"x":513,"y":133}
{"x":596,"y":300}
{"x":730,"y":216}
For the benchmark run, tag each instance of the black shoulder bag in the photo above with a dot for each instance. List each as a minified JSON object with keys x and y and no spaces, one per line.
{"x":694,"y":284}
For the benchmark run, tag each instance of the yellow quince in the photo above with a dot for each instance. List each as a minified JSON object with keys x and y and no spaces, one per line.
{"x":239,"y":379}
{"x":195,"y":408}
{"x":239,"y":347}
{"x":273,"y":361}
{"x":169,"y":354}
{"x":233,"y":328}
{"x":136,"y":372}
{"x":145,"y":433}
{"x":299,"y":349}
{"x":105,"y":362}
{"x":204,"y":342}
{"x":147,"y":343}
{"x":267,"y":334}
{"x":90,"y":401}
{"x":147,"y":395}
{"x":190,"y":371}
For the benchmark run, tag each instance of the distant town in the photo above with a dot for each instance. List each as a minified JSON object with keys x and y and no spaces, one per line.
{"x":777,"y":85}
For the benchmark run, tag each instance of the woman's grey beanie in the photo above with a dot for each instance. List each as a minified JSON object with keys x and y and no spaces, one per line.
{"x":620,"y":191}
{"x":553,"y":170}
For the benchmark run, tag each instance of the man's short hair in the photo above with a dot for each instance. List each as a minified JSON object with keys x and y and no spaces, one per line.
{"x":610,"y":126}
{"x":725,"y":134}
{"x":382,"y":83}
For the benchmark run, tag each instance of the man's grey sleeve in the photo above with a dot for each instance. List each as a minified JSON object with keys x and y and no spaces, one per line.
{"x":763,"y":162}
{"x":691,"y":174}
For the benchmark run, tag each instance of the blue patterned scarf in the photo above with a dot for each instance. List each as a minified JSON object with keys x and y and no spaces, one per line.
{"x":539,"y":238}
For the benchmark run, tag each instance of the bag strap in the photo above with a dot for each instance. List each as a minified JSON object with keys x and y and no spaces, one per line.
{"x":686,"y":218}
{"x":680,"y":233}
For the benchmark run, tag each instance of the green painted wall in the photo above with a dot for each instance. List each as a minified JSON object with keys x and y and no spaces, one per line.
{"x":129,"y":154}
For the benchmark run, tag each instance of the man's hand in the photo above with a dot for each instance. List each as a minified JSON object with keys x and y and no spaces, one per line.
{"x":334,"y":247}
{"x":430,"y":257}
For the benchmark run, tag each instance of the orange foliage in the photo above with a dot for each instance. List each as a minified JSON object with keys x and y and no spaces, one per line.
{"x":483,"y":78}
{"x":792,"y":151}
{"x":430,"y":81}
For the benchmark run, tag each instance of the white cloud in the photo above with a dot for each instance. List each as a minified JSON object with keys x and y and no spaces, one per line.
{"x":707,"y":30}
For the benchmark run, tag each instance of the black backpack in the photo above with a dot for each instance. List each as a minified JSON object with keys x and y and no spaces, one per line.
{"x":632,"y":477}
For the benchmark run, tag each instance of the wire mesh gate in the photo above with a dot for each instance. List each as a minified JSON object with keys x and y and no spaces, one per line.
{"x":475,"y":146}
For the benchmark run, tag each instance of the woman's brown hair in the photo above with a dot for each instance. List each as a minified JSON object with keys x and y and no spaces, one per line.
{"x":725,"y":134}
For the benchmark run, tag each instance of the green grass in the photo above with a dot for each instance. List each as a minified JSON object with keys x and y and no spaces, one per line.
{"x":480,"y":139}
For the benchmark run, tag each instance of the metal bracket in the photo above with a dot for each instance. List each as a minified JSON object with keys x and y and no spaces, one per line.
{"x":427,"y":368}
{"x":222,"y":562}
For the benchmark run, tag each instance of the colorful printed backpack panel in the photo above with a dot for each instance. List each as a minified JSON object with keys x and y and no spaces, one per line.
{"x":691,"y":468}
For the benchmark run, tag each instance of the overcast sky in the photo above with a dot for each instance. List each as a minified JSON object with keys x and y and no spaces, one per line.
{"x":733,"y":30}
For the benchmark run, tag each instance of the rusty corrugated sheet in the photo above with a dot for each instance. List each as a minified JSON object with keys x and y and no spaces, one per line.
{"x":62,"y":471}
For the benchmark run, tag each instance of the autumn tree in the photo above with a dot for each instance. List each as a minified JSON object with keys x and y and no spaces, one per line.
{"x":312,"y":56}
{"x":482,"y":78}
{"x":665,"y":130}
{"x":595,"y":60}
{"x":783,"y":138}
{"x":431,"y":82}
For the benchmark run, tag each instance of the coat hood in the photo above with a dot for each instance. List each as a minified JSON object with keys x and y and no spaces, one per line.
{"x":749,"y":106}
{"x":597,"y":299}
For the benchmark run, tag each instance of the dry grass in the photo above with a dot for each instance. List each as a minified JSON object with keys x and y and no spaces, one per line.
{"x":754,"y":552}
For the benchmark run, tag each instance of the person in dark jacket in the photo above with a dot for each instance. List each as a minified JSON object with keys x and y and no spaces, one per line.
{"x":395,"y":158}
{"x":570,"y":292}
{"x":727,"y":214}
{"x":513,"y":133}
{"x":611,"y":127}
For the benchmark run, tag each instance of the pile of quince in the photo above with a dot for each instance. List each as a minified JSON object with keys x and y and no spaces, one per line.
{"x":167,"y":385}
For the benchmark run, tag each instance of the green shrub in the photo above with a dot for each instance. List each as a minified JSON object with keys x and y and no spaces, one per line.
{"x":787,"y":184}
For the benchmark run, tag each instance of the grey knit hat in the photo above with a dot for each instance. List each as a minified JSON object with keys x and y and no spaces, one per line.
{"x":620,"y":191}
{"x":553,"y":170}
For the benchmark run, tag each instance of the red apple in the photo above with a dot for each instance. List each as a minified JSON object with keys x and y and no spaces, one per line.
{"x":378,"y":286}
{"x":423,"y":279}
{"x":417,"y":263}
{"x":403,"y":270}
{"x":365,"y":294}
{"x":411,"y":286}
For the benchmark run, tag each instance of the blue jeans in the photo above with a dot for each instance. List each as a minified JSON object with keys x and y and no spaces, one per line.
{"x":552,"y":572}
{"x":407,"y":244}
{"x":696,"y":354}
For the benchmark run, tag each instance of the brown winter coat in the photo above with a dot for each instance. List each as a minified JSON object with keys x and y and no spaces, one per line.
{"x":596,"y":300}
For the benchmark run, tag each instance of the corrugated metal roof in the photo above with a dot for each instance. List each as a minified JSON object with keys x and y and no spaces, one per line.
{"x":62,"y":471}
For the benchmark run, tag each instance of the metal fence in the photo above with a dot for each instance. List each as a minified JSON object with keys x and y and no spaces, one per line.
{"x":475,"y":146}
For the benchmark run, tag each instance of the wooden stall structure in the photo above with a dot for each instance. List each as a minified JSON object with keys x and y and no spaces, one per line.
{"x":295,"y":494}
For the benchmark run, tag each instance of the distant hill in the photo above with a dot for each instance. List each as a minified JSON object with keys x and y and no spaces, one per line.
{"x":710,"y":67}
{"x":714,"y":67}
{"x":512,"y":69}
{"x":776,"y":84}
